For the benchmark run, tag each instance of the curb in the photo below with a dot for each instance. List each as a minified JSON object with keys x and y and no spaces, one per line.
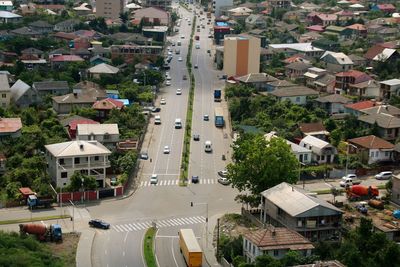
{"x":82,"y":258}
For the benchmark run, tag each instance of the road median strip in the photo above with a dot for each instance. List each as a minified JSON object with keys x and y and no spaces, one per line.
{"x":148,"y":247}
{"x":35,"y":219}
{"x":341,"y":190}
{"x":189,"y":113}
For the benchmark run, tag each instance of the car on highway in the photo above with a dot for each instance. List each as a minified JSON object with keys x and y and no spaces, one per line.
{"x":178,"y":91}
{"x":384,"y":175}
{"x":96,"y":223}
{"x":184,"y":77}
{"x":196,"y":66}
{"x":195,"y":179}
{"x":196,"y":137}
{"x":180,"y":59}
{"x":144,"y":155}
{"x":166,"y":150}
{"x":155,"y":109}
{"x":168,"y":83}
{"x":223,"y":180}
{"x":162,"y":101}
{"x":154,"y":179}
{"x":168,"y":78}
{"x":223,"y":173}
{"x":182,"y":36}
{"x":349,"y":180}
{"x":206,"y":117}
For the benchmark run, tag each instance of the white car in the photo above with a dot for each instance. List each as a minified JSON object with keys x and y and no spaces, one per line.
{"x":168,"y":78}
{"x":163,"y":102}
{"x":168,"y":83}
{"x":196,"y":66}
{"x":154,"y":179}
{"x":180,"y":59}
{"x":166,"y":150}
{"x":167,"y":74}
{"x":384,"y":175}
{"x":182,"y":36}
{"x":169,"y":53}
{"x":178,"y":91}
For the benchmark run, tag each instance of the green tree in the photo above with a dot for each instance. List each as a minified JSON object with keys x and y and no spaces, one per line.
{"x":259,"y":164}
{"x":75,"y":184}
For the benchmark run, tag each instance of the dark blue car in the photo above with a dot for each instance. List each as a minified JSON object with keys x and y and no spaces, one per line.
{"x":96,"y":223}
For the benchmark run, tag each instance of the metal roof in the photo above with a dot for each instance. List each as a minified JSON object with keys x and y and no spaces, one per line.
{"x":77,"y":148}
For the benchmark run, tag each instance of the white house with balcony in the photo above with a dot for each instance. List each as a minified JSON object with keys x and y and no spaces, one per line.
{"x":87,"y":157}
{"x":107,"y":134}
{"x":322,"y":151}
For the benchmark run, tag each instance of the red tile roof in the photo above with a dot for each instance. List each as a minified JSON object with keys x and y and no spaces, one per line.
{"x":108,"y":104}
{"x":351,"y":73}
{"x":357,"y":27}
{"x":328,"y":17}
{"x":10,"y":125}
{"x":67,"y":58}
{"x":316,"y":28}
{"x":65,"y":35}
{"x":278,"y":238}
{"x":361,"y":105}
{"x":72,"y":125}
{"x":374,"y":51}
{"x":386,"y":7}
{"x":312,"y":127}
{"x":371,"y":142}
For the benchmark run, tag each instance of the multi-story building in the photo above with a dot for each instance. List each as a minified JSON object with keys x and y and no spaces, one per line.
{"x":163,"y":4}
{"x":241,"y":55}
{"x":109,"y":8}
{"x":289,"y":206}
{"x":347,"y":79}
{"x":389,"y":88}
{"x":107,"y":134}
{"x":217,"y":4}
{"x":5,"y":92}
{"x":322,"y":151}
{"x":130,"y":52}
{"x":87,"y":157}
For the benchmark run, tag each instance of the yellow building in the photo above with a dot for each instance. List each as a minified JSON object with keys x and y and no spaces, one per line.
{"x":241,"y":55}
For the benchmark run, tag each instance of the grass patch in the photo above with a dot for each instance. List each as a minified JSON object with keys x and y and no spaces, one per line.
{"x":148,"y":246}
{"x":189,"y":113}
{"x":35,"y":219}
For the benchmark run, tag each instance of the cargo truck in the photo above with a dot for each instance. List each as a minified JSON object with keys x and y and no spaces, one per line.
{"x":43,"y":232}
{"x":219,"y":117}
{"x":217,"y":95}
{"x":35,"y":202}
{"x":190,"y":248}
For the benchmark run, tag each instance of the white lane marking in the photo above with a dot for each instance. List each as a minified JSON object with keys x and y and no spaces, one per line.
{"x":133,"y":226}
{"x":127,"y":226}
{"x":181,"y":221}
{"x":141,"y":249}
{"x":173,"y":222}
{"x":173,"y":254}
{"x":117,"y":228}
{"x":168,"y":236}
{"x":141,"y":183}
{"x":191,"y":220}
{"x":126,"y":236}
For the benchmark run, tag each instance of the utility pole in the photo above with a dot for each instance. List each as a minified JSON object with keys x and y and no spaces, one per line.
{"x":218,"y":239}
{"x":73,"y":216}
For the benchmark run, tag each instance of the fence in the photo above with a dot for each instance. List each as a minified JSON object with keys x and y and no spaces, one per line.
{"x":89,"y":195}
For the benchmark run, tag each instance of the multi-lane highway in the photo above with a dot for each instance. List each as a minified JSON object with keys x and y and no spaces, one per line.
{"x":167,"y":204}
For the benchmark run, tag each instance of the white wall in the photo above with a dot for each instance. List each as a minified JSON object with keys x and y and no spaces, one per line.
{"x":376,"y":155}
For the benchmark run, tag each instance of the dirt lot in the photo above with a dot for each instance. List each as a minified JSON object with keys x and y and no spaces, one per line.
{"x":66,"y":250}
{"x":233,"y":225}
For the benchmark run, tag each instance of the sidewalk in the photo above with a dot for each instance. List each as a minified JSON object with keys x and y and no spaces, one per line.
{"x":209,"y":250}
{"x":84,"y":250}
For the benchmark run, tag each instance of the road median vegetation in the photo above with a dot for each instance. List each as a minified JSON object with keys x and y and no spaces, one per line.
{"x":35,"y":219}
{"x":148,"y":247}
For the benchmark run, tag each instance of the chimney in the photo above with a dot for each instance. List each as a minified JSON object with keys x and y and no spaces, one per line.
{"x":81,"y":146}
{"x":75,"y":94}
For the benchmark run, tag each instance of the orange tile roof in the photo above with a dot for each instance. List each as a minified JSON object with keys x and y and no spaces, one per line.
{"x":73,"y":124}
{"x":350,"y":73}
{"x":108,"y":104}
{"x":372,"y":142}
{"x":361,"y":105}
{"x":312,"y":127}
{"x":10,"y":125}
{"x":357,"y":27}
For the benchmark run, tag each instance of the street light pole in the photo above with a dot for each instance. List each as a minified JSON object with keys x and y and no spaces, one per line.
{"x":73,"y":216}
{"x":83,"y":192}
{"x":347,"y":156}
{"x":195,"y":204}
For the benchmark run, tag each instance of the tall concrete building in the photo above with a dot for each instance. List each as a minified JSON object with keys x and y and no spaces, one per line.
{"x":163,"y":4}
{"x":241,"y":55}
{"x":217,"y":4}
{"x":109,"y":8}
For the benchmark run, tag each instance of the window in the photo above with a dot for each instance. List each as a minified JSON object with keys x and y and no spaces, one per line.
{"x":77,"y":160}
{"x":322,"y":157}
{"x":64,"y":175}
{"x":297,"y":99}
{"x":372,"y":154}
{"x":64,"y":183}
{"x":305,"y":157}
{"x":376,"y":154}
{"x":96,"y":158}
{"x":299,"y":223}
{"x":4,"y":95}
{"x":276,"y":252}
{"x":386,"y":154}
{"x":106,"y":136}
{"x":61,"y":161}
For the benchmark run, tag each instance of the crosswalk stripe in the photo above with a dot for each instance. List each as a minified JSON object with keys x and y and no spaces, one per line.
{"x":181,"y":221}
{"x":201,"y":181}
{"x":175,"y":222}
{"x":145,"y":183}
{"x":133,"y":226}
{"x":129,"y":228}
{"x":197,"y":219}
{"x":161,"y":224}
{"x":166,"y":222}
{"x":148,"y":224}
{"x":191,"y":220}
{"x":169,"y":182}
{"x":141,"y":183}
{"x":117,"y":228}
{"x":142,"y":227}
{"x":123,"y":227}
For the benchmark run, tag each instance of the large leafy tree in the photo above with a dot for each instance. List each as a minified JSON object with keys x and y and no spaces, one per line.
{"x":259,"y":164}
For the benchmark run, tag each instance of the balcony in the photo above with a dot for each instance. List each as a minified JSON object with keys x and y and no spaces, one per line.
{"x":93,"y":164}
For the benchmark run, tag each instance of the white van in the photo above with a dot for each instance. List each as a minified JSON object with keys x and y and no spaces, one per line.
{"x":157,"y":119}
{"x":207,"y":146}
{"x":178,"y":123}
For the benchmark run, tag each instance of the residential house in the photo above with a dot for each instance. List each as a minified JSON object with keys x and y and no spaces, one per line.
{"x":26,"y":32}
{"x":333,"y":103}
{"x":316,"y":28}
{"x":336,"y":62}
{"x":358,"y":30}
{"x":102,"y":69}
{"x":302,"y":154}
{"x":22,"y":94}
{"x":385,"y":8}
{"x":156,"y":33}
{"x":320,"y":80}
{"x":389,"y":88}
{"x":381,"y":53}
{"x":305,"y":49}
{"x":297,"y":95}
{"x":368,"y":89}
{"x":62,"y":61}
{"x":130,"y":52}
{"x":346,"y":80}
{"x":85,"y":9}
{"x":358,"y":60}
{"x":64,"y":36}
{"x":278,"y":84}
{"x":342,"y":33}
{"x":52,"y":88}
{"x":218,"y":4}
{"x":284,"y":4}
{"x":275,"y":242}
{"x":256,"y":21}
{"x":316,"y":129}
{"x":33,"y":52}
{"x":41,"y":26}
{"x":387,"y":32}
{"x":154,"y":15}
{"x":356,"y":108}
{"x":371,"y":149}
{"x":388,"y":125}
{"x":6,"y":5}
{"x":396,"y":190}
{"x":32,"y":62}
{"x":296,"y":70}
{"x":10,"y":127}
{"x":326,"y":44}
{"x":9,"y":17}
{"x":5,"y":91}
{"x":323,"y":152}
{"x":289,"y":206}
{"x":107,"y":134}
{"x":83,"y":98}
{"x":382,"y":107}
{"x":87,"y":157}
{"x":256,"y":80}
{"x":324,"y":19}
{"x":344,"y":16}
{"x":96,"y":60}
{"x":104,"y":106}
{"x":66,"y":25}
{"x":71,"y":124}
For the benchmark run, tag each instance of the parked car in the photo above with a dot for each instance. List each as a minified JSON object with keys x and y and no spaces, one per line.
{"x":184,"y":77}
{"x":166,"y":150}
{"x":348,"y":180}
{"x":144,"y":155}
{"x":162,"y":101}
{"x":178,"y":91}
{"x":196,"y":66}
{"x":195,"y":179}
{"x":155,"y":109}
{"x":113,"y":181}
{"x":154,"y":179}
{"x":384,"y":175}
{"x":196,"y":137}
{"x":223,"y":180}
{"x":206,"y":117}
{"x":180,"y":59}
{"x":96,"y":223}
{"x":168,"y":83}
{"x":223,"y":173}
